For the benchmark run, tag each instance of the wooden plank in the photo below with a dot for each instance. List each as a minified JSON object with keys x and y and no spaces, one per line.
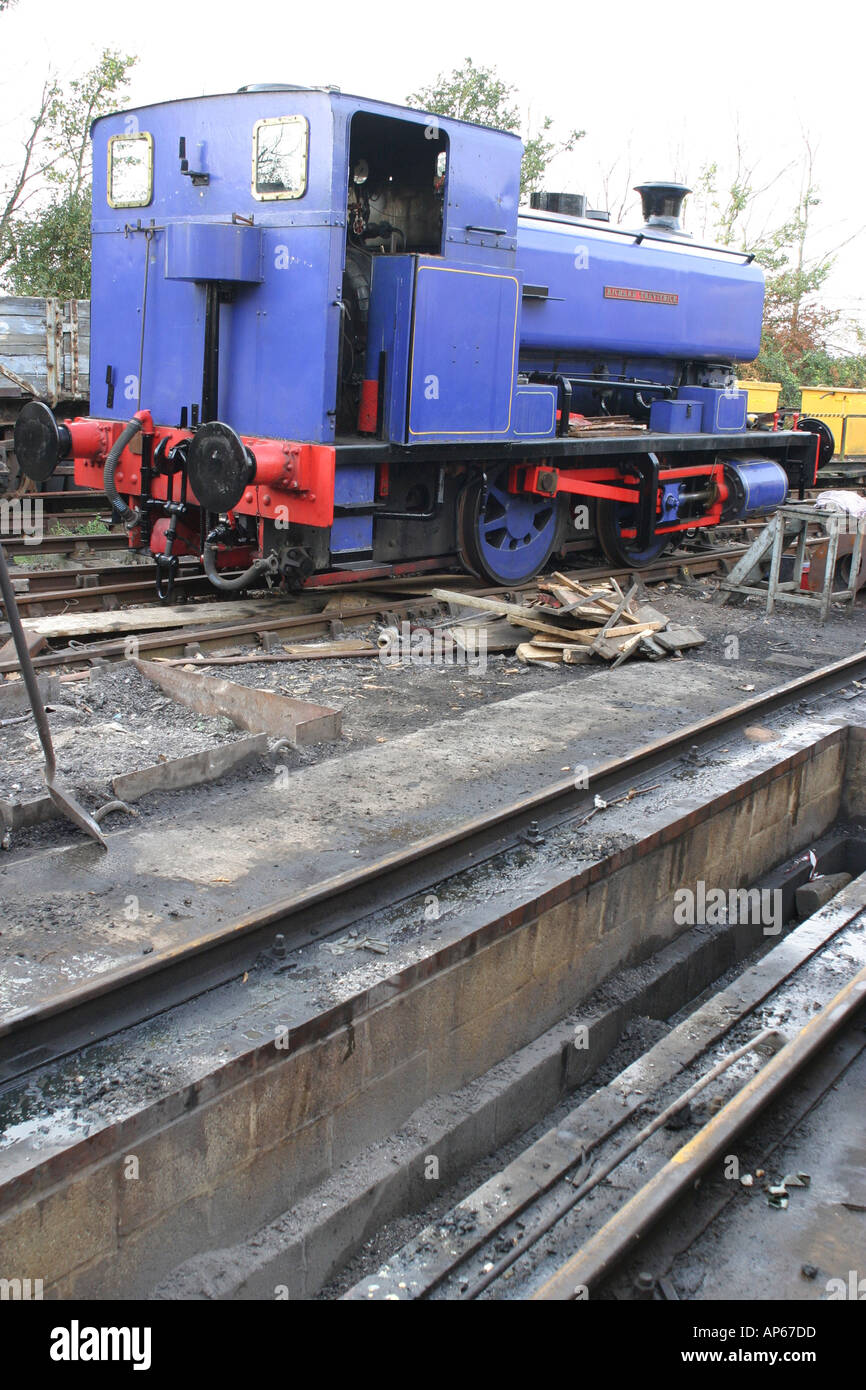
{"x":14,"y":697}
{"x":538,"y":656}
{"x":627,"y":648}
{"x":22,"y":340}
{"x":515,"y":612}
{"x":21,"y":304}
{"x":35,"y":643}
{"x":589,"y":636}
{"x":25,"y":364}
{"x":573,"y":655}
{"x":498,"y":636}
{"x":302,"y":651}
{"x":617,"y":612}
{"x":154,"y":619}
{"x":678,"y":639}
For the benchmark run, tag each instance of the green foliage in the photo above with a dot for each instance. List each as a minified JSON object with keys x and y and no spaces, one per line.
{"x":477,"y":94}
{"x":469,"y":94}
{"x":51,"y":249}
{"x":45,"y":245}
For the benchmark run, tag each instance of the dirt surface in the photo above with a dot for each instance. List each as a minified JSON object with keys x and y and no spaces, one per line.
{"x":424,"y":747}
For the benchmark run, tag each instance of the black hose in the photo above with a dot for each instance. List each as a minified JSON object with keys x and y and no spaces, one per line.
{"x":130,"y":516}
{"x":240,"y":581}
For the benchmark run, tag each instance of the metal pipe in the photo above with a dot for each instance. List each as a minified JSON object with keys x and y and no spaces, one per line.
{"x":621,"y":1233}
{"x":211,"y":356}
{"x":130,"y":516}
{"x":239,"y":581}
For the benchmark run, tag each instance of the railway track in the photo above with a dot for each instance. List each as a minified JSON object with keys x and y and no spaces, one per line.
{"x":119,"y":588}
{"x":86,"y":589}
{"x":671,"y":1190}
{"x":112,"y":1001}
{"x":577,"y":1213}
{"x":75,"y":542}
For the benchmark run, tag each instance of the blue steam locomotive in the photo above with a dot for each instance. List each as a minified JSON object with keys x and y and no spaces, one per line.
{"x":327,"y":342}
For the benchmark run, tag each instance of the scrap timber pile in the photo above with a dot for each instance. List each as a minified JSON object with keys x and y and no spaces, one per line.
{"x":575,"y":623}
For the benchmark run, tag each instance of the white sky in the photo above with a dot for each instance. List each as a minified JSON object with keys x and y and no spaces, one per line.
{"x":659,"y":89}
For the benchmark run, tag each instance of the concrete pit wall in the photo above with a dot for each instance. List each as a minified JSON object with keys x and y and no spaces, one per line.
{"x":219,"y":1159}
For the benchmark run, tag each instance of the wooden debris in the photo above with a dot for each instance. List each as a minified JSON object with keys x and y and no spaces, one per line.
{"x":679,"y":639}
{"x":499,"y":635}
{"x":539,"y":656}
{"x":35,"y":644}
{"x":620,"y":626}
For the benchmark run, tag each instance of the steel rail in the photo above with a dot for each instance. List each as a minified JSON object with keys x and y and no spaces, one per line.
{"x":61,"y":545}
{"x":160,"y":642}
{"x":620,"y":1235}
{"x":90,"y":598}
{"x":767,"y":1036}
{"x":116,"y":999}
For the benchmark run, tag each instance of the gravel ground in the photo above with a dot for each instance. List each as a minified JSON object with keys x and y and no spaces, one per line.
{"x":119,"y":722}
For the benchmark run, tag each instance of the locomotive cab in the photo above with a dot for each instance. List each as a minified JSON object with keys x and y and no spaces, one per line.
{"x":394,"y":205}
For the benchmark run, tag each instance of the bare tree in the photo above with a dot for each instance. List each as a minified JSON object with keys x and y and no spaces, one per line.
{"x":36,"y":160}
{"x":616,"y":185}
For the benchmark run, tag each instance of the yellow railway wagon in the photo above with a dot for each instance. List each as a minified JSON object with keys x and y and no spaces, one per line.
{"x":843,"y":409}
{"x":762,"y":396}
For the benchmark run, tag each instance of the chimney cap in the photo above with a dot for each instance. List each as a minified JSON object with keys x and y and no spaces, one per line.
{"x":662,"y":203}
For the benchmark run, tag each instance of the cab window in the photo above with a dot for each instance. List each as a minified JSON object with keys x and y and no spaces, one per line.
{"x":130,"y":170}
{"x":280,"y":157}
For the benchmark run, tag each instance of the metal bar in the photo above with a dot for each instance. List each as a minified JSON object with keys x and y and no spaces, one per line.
{"x":621,"y":1233}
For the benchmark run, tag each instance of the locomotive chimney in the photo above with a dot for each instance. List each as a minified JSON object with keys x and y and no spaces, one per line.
{"x":662,"y":204}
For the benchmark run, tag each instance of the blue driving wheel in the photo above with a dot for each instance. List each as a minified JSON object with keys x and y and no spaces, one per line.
{"x":610,"y":518}
{"x":503,"y":537}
